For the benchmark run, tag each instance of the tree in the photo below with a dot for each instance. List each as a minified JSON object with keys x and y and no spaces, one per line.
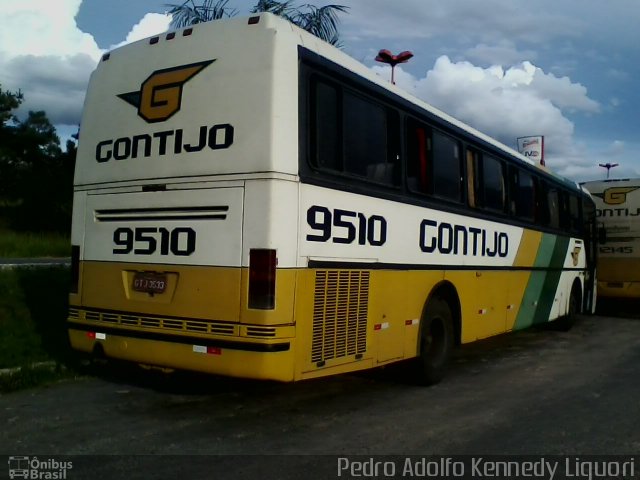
{"x":319,"y":21}
{"x":36,"y":190}
{"x":9,"y":101}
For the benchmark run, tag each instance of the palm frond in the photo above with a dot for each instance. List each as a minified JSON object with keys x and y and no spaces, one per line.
{"x":321,"y":21}
{"x":188,"y":13}
{"x":282,"y":9}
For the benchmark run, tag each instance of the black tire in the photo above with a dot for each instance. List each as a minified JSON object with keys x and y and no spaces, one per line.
{"x":564,"y":324}
{"x":436,"y":342}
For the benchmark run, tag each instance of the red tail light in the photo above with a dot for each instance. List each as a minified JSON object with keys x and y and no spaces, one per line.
{"x":262,"y":279}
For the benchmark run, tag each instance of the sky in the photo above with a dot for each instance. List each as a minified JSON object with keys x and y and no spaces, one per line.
{"x":564,"y":69}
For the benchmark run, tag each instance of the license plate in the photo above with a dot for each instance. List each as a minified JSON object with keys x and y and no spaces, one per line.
{"x":149,"y":282}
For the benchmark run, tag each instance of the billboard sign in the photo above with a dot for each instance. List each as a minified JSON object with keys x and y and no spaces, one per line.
{"x":532,"y":148}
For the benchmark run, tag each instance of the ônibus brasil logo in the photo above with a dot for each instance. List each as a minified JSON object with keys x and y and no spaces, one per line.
{"x":160,"y":95}
{"x":41,"y":469}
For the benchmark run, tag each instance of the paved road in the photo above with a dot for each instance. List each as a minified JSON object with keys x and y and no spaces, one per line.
{"x":537,"y":392}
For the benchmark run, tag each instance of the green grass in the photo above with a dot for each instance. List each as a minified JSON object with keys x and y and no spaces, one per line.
{"x":32,"y":245}
{"x":33,"y":310}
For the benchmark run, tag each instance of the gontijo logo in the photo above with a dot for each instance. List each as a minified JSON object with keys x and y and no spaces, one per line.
{"x":159,"y":98}
{"x":160,"y":95}
{"x":615,"y":195}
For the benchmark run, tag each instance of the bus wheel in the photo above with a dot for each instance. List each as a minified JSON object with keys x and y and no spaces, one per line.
{"x":565,"y":323}
{"x":436,"y":342}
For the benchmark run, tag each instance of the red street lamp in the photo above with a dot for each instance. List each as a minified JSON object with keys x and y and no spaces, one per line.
{"x":608,"y":166}
{"x":385,"y":56}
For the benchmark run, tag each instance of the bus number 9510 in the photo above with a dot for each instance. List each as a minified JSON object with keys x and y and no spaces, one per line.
{"x":179,"y":241}
{"x":345,"y":226}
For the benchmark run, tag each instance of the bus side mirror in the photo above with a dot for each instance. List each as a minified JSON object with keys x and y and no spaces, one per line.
{"x":602,"y":235}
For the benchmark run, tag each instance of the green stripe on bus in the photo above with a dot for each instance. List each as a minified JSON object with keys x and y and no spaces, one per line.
{"x":542,"y":285}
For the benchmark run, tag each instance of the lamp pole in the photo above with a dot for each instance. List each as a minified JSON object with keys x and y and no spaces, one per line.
{"x":608,"y":166}
{"x":385,"y":56}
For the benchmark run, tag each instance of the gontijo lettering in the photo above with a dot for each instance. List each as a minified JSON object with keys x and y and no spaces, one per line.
{"x":216,"y":137}
{"x":452,"y":239}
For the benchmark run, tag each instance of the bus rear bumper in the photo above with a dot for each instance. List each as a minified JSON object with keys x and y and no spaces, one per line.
{"x":255,"y":360}
{"x":619,"y":289}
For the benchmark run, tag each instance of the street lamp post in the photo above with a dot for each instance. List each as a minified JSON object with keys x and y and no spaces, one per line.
{"x":608,"y":166}
{"x":385,"y":56}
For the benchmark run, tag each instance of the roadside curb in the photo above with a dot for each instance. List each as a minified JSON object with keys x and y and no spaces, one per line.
{"x":50,"y":365}
{"x":11,"y":263}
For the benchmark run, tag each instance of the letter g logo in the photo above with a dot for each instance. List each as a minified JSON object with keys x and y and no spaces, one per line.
{"x":615,"y":195}
{"x":160,"y":95}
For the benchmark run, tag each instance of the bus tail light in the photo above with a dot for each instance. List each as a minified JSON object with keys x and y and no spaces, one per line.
{"x":262,"y":279}
{"x":75,"y":268}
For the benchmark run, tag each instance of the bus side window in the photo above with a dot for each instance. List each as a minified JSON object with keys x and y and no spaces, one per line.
{"x":472,"y":178}
{"x":447,"y":167}
{"x":542,"y":216}
{"x":353,"y":135}
{"x":493,"y":184}
{"x":418,"y":158}
{"x":522,"y":195}
{"x":555,"y":207}
{"x":486,"y":184}
{"x":574,"y":214}
{"x":326,"y":127}
{"x":365,"y":135}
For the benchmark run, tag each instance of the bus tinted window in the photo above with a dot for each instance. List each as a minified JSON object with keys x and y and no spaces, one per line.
{"x":365,"y":138}
{"x":350,"y":134}
{"x":447,"y":178}
{"x":326,"y":136}
{"x":485,"y":182}
{"x":493,"y":183}
{"x":473,"y":178}
{"x":522,"y":195}
{"x":574,"y":213}
{"x":542,"y":216}
{"x":555,"y":207}
{"x":419,"y":171}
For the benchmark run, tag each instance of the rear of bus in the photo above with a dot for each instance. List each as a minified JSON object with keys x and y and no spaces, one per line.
{"x":182,"y":174}
{"x":618,"y":218}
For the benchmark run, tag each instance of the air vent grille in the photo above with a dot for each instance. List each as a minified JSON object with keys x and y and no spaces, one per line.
{"x":339,"y":314}
{"x":216,"y":212}
{"x":143,"y":321}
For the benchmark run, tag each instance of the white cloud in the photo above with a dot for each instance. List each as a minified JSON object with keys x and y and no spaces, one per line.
{"x":150,"y":25}
{"x":505,"y":104}
{"x":44,"y":54}
{"x":43,"y":27}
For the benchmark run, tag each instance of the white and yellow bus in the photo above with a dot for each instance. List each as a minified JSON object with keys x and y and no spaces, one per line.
{"x":618,"y":218}
{"x":252,"y":202}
